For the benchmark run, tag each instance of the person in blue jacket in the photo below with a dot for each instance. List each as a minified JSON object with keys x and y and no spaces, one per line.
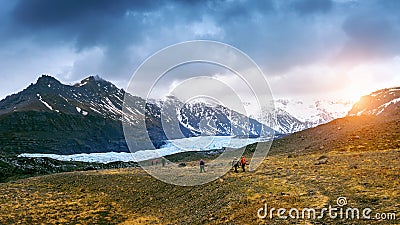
{"x":202,"y":166}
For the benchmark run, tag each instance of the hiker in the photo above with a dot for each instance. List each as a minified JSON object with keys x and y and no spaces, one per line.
{"x":202,"y":166}
{"x":235,"y":164}
{"x":156,"y":162}
{"x":243,"y":163}
{"x":163,"y":162}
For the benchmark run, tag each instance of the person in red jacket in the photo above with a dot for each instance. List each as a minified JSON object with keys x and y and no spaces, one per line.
{"x":243,"y":163}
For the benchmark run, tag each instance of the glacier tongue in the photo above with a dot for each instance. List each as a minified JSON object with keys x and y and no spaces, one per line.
{"x":202,"y":143}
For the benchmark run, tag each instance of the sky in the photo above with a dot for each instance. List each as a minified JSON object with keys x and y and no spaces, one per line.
{"x":305,"y":48}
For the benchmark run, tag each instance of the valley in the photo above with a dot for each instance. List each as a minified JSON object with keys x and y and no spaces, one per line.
{"x":289,"y":177}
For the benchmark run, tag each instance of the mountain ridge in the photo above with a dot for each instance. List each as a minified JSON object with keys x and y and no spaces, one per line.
{"x":384,"y":101}
{"x":51,"y":117}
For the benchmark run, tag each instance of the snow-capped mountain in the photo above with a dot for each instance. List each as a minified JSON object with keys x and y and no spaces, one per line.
{"x":379,"y":103}
{"x":92,"y":95}
{"x":200,"y":118}
{"x":285,"y":123}
{"x":314,"y":112}
{"x":51,"y":117}
{"x":296,"y":115}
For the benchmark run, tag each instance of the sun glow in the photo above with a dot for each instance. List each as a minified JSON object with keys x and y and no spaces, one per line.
{"x":354,"y":93}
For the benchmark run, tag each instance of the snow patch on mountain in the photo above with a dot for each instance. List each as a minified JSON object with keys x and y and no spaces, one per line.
{"x":385,"y":105}
{"x":46,"y":104}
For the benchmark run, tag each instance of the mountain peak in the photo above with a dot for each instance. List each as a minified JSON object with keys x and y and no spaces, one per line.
{"x":46,"y":79}
{"x":96,"y":79}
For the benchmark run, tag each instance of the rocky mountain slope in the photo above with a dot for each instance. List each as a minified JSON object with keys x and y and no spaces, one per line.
{"x":285,"y":123}
{"x":382,"y":102}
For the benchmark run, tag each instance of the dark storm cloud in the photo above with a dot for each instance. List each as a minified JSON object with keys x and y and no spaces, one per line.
{"x":227,"y":12}
{"x":112,"y":25}
{"x":254,"y":26}
{"x":118,"y":23}
{"x":111,"y":38}
{"x":304,"y":7}
{"x":373,"y":32}
{"x":47,"y":14}
{"x":88,"y":23}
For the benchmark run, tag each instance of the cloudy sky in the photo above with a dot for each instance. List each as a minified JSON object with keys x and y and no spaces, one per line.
{"x":306,"y":48}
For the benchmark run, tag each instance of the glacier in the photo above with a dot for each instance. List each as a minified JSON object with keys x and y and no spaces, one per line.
{"x":202,"y":143}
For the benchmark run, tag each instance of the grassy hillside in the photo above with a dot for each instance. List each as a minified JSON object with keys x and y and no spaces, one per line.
{"x":49,"y":132}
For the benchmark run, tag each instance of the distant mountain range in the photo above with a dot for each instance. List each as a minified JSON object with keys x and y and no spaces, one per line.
{"x":295,"y":115}
{"x":50,"y":117}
